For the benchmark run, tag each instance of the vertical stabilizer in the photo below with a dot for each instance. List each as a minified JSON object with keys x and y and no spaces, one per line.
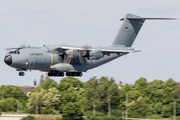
{"x":128,"y":31}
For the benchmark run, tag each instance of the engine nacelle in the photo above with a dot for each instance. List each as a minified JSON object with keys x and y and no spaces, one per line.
{"x":95,"y":54}
{"x":74,"y":54}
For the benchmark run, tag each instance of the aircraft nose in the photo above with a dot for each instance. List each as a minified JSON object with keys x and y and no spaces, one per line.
{"x":8,"y":60}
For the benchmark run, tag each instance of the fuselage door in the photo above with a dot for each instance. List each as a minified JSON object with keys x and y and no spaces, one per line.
{"x":31,"y":65}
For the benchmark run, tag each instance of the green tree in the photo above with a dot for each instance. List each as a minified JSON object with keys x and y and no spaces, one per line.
{"x":177,"y":91}
{"x":141,"y":85}
{"x":80,"y":95}
{"x":124,"y":89}
{"x":138,"y":108}
{"x":70,"y":91}
{"x":98,"y":91}
{"x":49,"y":83}
{"x":10,"y":91}
{"x":31,"y":105}
{"x":177,"y":98}
{"x":72,"y":111}
{"x":70,"y":95}
{"x":67,"y":82}
{"x":51,"y":100}
{"x":166,"y":111}
{"x":154,"y":92}
{"x":158,"y":108}
{"x":48,"y":101}
{"x":8,"y":104}
{"x":168,"y":91}
{"x":133,"y":95}
{"x":41,"y":79}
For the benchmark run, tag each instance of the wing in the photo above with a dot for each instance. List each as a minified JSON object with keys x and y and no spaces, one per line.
{"x":18,"y":48}
{"x":103,"y":49}
{"x":120,"y":51}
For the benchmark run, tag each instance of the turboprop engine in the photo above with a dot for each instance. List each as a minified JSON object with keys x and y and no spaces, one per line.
{"x":66,"y":56}
{"x":70,"y":53}
{"x":95,"y":55}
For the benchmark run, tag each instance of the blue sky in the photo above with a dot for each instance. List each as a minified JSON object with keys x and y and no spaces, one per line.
{"x":38,"y":22}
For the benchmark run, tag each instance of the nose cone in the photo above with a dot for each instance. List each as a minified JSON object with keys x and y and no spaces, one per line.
{"x":8,"y":60}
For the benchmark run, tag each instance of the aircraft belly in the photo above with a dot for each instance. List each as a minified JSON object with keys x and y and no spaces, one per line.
{"x":64,"y":67}
{"x":105,"y":59}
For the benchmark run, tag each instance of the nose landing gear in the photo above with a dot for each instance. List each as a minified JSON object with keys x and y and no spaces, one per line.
{"x":21,"y":73}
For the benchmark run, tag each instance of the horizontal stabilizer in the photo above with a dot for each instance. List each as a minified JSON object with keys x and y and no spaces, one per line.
{"x":142,"y":18}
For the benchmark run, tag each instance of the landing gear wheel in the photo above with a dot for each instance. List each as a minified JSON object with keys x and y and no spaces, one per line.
{"x":49,"y":74}
{"x":70,"y":74}
{"x":80,"y":74}
{"x":55,"y":74}
{"x":67,"y":73}
{"x":62,"y":74}
{"x":58,"y":74}
{"x":77,"y":74}
{"x":21,"y":73}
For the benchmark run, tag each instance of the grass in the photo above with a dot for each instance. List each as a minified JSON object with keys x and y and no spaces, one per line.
{"x":45,"y":117}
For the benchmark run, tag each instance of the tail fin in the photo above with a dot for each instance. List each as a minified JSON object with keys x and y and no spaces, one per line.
{"x":130,"y":29}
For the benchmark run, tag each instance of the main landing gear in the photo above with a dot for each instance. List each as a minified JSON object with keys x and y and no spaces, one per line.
{"x":61,"y":74}
{"x":55,"y":74}
{"x":75,"y":74}
{"x":21,"y":73}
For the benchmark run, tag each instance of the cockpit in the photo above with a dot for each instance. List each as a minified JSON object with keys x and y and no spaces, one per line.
{"x":8,"y":57}
{"x":12,"y":52}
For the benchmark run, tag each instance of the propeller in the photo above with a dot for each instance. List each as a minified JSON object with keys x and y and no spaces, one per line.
{"x":84,"y":55}
{"x":64,"y":56}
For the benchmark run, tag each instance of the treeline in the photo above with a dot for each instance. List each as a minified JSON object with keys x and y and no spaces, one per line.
{"x":153,"y":98}
{"x":74,"y":99}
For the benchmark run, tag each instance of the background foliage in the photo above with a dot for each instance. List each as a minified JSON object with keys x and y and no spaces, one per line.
{"x":73,"y":99}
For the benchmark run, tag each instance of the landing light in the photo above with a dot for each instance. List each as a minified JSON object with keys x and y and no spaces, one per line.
{"x":26,"y":63}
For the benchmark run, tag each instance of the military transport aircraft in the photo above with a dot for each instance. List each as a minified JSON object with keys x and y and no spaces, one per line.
{"x":74,"y":60}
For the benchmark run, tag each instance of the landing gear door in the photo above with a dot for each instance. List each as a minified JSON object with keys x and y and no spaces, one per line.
{"x":31,"y":65}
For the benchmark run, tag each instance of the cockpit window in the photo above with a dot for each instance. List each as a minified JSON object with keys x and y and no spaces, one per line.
{"x":13,"y":52}
{"x":10,"y":52}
